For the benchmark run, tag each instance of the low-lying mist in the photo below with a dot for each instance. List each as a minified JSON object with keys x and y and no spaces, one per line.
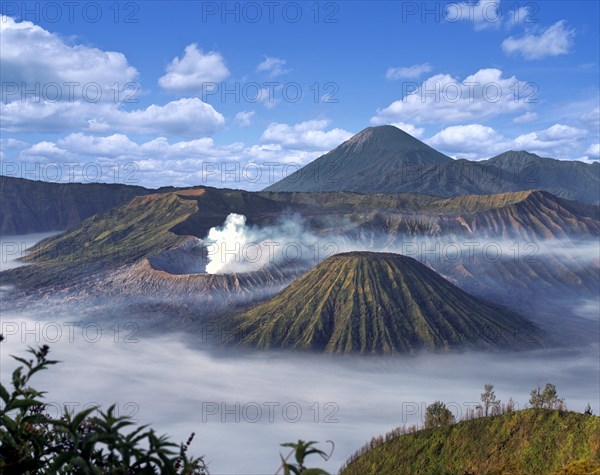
{"x":242,"y":406}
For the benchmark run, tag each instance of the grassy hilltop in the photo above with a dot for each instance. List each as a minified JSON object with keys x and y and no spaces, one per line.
{"x":527,"y":442}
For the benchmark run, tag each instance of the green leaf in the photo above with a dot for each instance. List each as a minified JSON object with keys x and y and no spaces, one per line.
{"x":22,"y":404}
{"x":4,"y":393}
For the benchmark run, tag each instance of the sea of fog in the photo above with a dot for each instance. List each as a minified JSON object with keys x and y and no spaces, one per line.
{"x":242,"y":406}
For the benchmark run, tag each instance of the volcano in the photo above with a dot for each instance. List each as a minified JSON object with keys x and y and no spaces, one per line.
{"x":366,"y":302}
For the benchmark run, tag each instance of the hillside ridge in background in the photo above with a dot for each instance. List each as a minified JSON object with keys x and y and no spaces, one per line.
{"x":526,"y":442}
{"x":31,"y":206}
{"x":368,"y":302}
{"x":386,"y":159}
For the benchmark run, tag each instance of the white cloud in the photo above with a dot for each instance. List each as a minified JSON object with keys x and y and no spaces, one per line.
{"x":443,"y":99}
{"x":411,"y":72}
{"x":409,"y":128}
{"x":195,"y":68}
{"x":184,"y":117}
{"x":558,"y":141}
{"x":273,"y":66}
{"x":468,"y":141}
{"x":476,"y":141}
{"x":553,"y":41}
{"x":309,"y":134}
{"x":35,"y":58}
{"x":527,"y":117}
{"x":551,"y":136}
{"x":593,"y":151}
{"x":244,"y":118}
{"x":160,"y":162}
{"x":46,"y":117}
{"x":45,"y":150}
{"x":483,"y":14}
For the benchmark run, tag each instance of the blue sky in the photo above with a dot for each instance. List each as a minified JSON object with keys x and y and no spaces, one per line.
{"x":188,"y":93}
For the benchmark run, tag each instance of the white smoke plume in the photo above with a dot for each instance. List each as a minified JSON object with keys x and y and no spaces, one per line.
{"x":236,"y":247}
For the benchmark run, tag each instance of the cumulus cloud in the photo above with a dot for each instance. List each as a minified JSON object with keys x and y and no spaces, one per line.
{"x":553,"y":41}
{"x":32,"y":55}
{"x":160,"y":161}
{"x":309,"y":134}
{"x":193,"y":69}
{"x":559,"y":138}
{"x":184,"y":117}
{"x":410,"y":72}
{"x":593,"y":151}
{"x":38,"y":65}
{"x":84,"y":88}
{"x":468,"y":141}
{"x":483,"y":14}
{"x":244,"y":118}
{"x":273,"y":66}
{"x":443,"y":99}
{"x":118,"y":147}
{"x":476,"y":141}
{"x":47,"y":117}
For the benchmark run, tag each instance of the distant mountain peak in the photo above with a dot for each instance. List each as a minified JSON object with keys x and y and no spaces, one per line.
{"x":386,"y":159}
{"x":366,"y":161}
{"x":384,"y":137}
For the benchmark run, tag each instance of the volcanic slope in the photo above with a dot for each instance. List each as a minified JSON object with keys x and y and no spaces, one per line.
{"x":365,"y":302}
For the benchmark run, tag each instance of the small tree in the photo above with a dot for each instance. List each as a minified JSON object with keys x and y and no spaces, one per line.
{"x":438,"y":415}
{"x":550,"y":399}
{"x":549,"y":396}
{"x":546,"y":398}
{"x":510,"y":405}
{"x":535,"y":398}
{"x":488,"y":398}
{"x":588,"y":410}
